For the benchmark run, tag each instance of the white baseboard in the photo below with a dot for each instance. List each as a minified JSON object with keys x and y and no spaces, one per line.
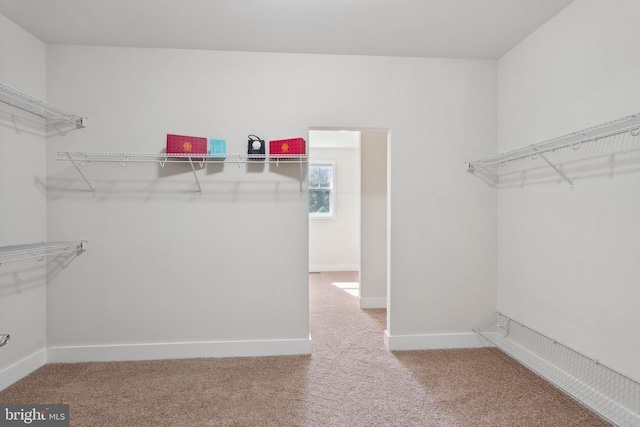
{"x":21,"y":369}
{"x":380,"y":302}
{"x":431,"y":341}
{"x":326,"y":268}
{"x":181,"y":350}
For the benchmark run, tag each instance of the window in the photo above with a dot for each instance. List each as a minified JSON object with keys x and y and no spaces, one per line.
{"x":321,"y":190}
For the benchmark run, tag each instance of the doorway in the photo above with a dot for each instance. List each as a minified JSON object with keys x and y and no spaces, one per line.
{"x":348,"y":209}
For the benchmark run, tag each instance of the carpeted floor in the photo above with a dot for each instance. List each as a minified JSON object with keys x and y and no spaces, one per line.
{"x":349,"y":380}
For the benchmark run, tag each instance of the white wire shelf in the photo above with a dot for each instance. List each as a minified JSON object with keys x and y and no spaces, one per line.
{"x":79,"y":159}
{"x":574,"y":140}
{"x":162,"y":158}
{"x":39,"y":250}
{"x":612,"y":395}
{"x":23,"y":101}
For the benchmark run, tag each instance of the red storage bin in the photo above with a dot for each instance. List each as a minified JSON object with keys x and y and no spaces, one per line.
{"x":180,"y":144}
{"x":287,"y":146}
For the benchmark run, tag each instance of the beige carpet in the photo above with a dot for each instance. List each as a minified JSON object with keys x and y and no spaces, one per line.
{"x":349,"y":380}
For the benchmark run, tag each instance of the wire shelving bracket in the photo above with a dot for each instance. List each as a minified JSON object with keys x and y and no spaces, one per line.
{"x":23,"y":101}
{"x":4,"y":339}
{"x":612,"y":395}
{"x":39,"y":250}
{"x":79,"y":159}
{"x":574,"y":140}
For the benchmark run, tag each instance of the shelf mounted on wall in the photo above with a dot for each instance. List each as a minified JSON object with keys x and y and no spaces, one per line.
{"x":25,"y":102}
{"x":79,"y":159}
{"x":574,"y":140}
{"x":36,"y":251}
{"x":39,"y":250}
{"x":613,"y":395}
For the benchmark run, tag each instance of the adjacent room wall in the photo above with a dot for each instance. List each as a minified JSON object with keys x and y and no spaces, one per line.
{"x":568,"y":260}
{"x":334,"y":243}
{"x":373,"y":235}
{"x":22,"y":205}
{"x":165,"y":265}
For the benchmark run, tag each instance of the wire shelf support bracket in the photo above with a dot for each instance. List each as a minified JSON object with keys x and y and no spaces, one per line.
{"x":76,"y":164}
{"x":612,"y":395}
{"x":25,"y":102}
{"x":79,"y":159}
{"x":555,"y":168}
{"x":195,"y":175}
{"x":4,"y":339}
{"x":630,"y":124}
{"x":39,"y":250}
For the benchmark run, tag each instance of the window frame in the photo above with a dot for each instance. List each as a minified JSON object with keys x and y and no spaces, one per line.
{"x":332,"y":189}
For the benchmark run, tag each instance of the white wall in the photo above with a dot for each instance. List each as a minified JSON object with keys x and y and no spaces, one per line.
{"x":373,"y":235}
{"x":167,"y":266}
{"x":442,"y":221}
{"x":568,"y":261}
{"x":22,"y":205}
{"x":334,"y":243}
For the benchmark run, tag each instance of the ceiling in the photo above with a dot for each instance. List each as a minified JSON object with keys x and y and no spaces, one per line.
{"x":416,"y":28}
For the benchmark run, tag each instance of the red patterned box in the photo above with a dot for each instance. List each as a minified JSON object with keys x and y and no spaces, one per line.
{"x":286,"y":146}
{"x":180,"y":144}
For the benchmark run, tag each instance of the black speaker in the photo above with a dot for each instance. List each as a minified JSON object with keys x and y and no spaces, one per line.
{"x":256,"y":148}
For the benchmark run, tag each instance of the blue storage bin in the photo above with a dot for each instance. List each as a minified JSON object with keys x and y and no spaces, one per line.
{"x":217,"y":148}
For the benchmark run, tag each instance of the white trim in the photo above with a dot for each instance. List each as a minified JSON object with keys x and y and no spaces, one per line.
{"x":180,"y":350}
{"x":380,"y":302}
{"x":22,"y":368}
{"x":326,"y":268}
{"x":432,"y":341}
